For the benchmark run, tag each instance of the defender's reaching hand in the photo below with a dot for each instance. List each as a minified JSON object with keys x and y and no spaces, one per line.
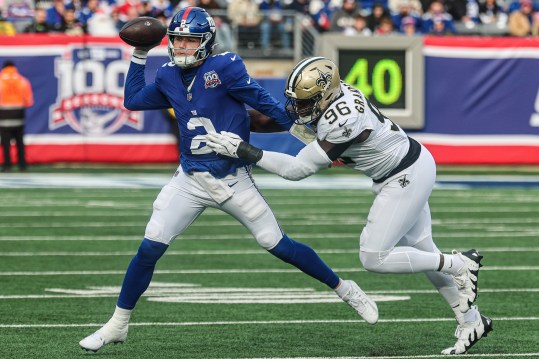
{"x":224,"y":143}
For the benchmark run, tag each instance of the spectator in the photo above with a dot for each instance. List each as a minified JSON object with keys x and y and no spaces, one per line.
{"x":345,"y":17}
{"x":245,"y":16}
{"x":321,"y":12}
{"x":360,"y":27}
{"x":15,"y":96}
{"x":87,"y":11}
{"x":20,"y":13}
{"x":101,"y":24}
{"x":409,"y":26}
{"x":6,"y":27}
{"x":493,"y":16}
{"x":39,"y":25}
{"x":55,"y":14}
{"x":439,"y":28}
{"x":490,"y":11}
{"x":224,"y":40}
{"x":523,"y":22}
{"x":415,"y":6}
{"x":146,"y":9}
{"x":437,"y":21}
{"x":127,"y":10}
{"x":464,"y":11}
{"x":405,"y":9}
{"x":70,"y":24}
{"x":378,"y":13}
{"x":210,"y":5}
{"x":385,"y":27}
{"x":367,"y":6}
{"x":272,"y":12}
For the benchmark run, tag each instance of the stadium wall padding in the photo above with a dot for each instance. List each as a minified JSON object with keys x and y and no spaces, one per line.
{"x":481,"y":102}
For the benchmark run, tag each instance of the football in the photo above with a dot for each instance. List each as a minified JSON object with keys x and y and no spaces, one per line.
{"x":143,"y":31}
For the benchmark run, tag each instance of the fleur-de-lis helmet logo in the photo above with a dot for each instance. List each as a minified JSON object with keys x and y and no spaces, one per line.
{"x":324,"y":80}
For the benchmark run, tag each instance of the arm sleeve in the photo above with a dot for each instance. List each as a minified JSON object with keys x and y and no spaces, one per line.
{"x":308,"y":161}
{"x":137,"y":95}
{"x":245,"y":89}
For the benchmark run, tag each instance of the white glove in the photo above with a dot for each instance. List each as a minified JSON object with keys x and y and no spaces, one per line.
{"x":224,"y":143}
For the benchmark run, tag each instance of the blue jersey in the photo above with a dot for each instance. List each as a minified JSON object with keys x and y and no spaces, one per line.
{"x":214,"y":101}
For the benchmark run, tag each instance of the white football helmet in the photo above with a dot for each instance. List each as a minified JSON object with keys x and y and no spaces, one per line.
{"x":311,"y":87}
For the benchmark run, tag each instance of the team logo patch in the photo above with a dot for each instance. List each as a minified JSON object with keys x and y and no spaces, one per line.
{"x":88,"y":101}
{"x":403,"y":181}
{"x":347,"y":132}
{"x":211,"y":79}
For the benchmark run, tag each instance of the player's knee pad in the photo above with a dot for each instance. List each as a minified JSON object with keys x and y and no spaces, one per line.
{"x":268,"y":238}
{"x":150,"y":251}
{"x":285,"y":249}
{"x":373,"y":261}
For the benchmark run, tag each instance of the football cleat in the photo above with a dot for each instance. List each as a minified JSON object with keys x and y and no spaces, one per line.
{"x":365,"y":306}
{"x":102,"y":337}
{"x":468,"y":334}
{"x":466,"y":278}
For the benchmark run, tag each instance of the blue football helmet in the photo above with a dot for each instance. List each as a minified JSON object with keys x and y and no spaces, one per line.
{"x":191,"y":22}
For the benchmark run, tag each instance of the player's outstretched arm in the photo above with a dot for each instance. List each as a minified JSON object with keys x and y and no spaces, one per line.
{"x":308,"y":161}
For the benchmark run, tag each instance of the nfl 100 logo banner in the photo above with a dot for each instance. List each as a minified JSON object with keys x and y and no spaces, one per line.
{"x":90,"y":92}
{"x":78,"y":113}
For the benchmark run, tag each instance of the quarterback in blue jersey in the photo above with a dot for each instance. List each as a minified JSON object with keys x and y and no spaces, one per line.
{"x":208,"y":95}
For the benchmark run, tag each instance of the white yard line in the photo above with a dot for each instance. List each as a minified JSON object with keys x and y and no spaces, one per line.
{"x":376,"y":292}
{"x":329,"y":236}
{"x":259,"y":322}
{"x":226,"y":271}
{"x":224,"y":252}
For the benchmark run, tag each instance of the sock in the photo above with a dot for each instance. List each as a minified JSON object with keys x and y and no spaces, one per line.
{"x":470,"y":316}
{"x":450,"y":264}
{"x":343,"y":288}
{"x":140,"y":272}
{"x":120,"y":318}
{"x":305,"y":259}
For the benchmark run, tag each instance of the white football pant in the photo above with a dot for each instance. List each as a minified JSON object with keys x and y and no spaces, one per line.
{"x":185,"y":197}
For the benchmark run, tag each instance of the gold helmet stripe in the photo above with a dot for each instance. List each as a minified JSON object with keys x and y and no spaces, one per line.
{"x":297,"y":71}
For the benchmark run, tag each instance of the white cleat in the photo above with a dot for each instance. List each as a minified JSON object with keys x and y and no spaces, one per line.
{"x":365,"y":306}
{"x":466,"y":279}
{"x":468,"y":334}
{"x":102,"y":337}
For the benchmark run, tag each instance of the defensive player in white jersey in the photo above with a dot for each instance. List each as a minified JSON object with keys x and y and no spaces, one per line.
{"x":398,"y":235}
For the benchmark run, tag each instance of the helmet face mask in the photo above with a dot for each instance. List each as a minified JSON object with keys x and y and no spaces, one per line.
{"x":311,"y":88}
{"x":192,"y":22}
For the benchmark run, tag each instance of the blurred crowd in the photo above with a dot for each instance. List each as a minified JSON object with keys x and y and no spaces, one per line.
{"x":267,"y":23}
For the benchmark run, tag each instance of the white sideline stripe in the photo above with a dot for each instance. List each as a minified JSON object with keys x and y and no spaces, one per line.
{"x":478,"y":53}
{"x":259,"y":322}
{"x":478,"y":140}
{"x":109,"y":140}
{"x":228,"y":271}
{"x":339,"y":236}
{"x":375,"y":292}
{"x":227,"y":252}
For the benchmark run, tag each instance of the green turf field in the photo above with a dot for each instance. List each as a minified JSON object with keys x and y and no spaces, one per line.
{"x":216,"y":294}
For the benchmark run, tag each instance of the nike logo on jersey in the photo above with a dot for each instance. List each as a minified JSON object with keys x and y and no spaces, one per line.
{"x":341,"y":124}
{"x":232,"y":184}
{"x":249,"y":81}
{"x":233,"y":58}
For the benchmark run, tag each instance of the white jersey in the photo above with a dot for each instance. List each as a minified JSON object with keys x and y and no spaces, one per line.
{"x":352,"y":114}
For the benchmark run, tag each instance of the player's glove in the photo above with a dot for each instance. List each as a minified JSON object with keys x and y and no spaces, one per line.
{"x":231,"y":145}
{"x":224,"y":143}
